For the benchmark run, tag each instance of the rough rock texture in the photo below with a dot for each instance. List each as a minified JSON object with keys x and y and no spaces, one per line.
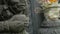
{"x":16,"y":10}
{"x":47,"y":27}
{"x":15,"y":24}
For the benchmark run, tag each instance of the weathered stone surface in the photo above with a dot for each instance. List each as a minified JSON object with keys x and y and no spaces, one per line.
{"x":15,"y":24}
{"x":47,"y":27}
{"x":18,"y":22}
{"x":49,"y":31}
